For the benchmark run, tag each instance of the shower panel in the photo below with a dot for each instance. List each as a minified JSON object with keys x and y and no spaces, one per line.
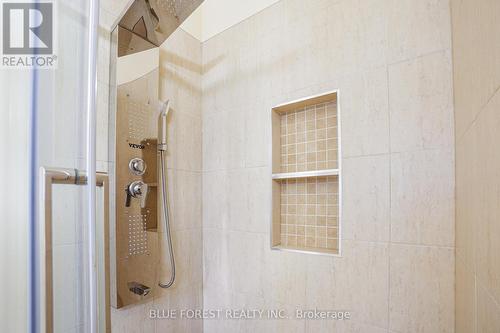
{"x":134,"y":147}
{"x":136,"y":181}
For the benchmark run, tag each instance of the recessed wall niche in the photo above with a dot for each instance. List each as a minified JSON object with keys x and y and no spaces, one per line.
{"x":306,"y":175}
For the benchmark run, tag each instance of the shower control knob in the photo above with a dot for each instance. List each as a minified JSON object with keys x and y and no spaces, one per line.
{"x":137,"y":190}
{"x":137,"y":166}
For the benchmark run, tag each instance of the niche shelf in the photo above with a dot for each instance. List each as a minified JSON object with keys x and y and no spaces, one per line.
{"x":306,"y":175}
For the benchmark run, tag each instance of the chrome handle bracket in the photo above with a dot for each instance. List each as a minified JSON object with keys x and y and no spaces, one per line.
{"x":49,"y":177}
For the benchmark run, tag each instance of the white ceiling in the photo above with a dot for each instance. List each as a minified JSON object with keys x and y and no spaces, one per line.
{"x":211,"y":18}
{"x":215,"y":16}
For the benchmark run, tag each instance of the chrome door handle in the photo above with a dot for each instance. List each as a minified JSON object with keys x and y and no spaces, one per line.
{"x":48,"y":177}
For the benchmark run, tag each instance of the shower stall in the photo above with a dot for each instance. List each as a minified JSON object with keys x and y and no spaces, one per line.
{"x":94,"y":208}
{"x":138,"y":126}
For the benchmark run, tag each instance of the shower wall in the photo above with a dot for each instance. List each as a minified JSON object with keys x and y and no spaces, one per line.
{"x":391,"y":61}
{"x":180,"y":81}
{"x":476,"y":59}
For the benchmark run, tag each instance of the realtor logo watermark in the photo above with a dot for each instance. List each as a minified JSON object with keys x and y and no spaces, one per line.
{"x":28,"y":34}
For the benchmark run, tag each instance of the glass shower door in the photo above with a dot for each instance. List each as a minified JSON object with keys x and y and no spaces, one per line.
{"x":64,"y":254}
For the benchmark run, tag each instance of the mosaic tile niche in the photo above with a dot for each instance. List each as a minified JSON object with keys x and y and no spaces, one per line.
{"x":306,"y":175}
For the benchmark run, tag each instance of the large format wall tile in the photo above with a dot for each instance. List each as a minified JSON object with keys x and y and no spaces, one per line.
{"x":186,"y":203}
{"x":341,"y":326}
{"x":397,"y":170}
{"x":476,"y":57}
{"x":257,"y":135}
{"x":366,"y":198}
{"x":416,"y":28}
{"x":357,"y":36}
{"x":422,"y":197}
{"x":467,"y":200}
{"x":421,"y":103}
{"x":476,"y":64}
{"x":421,"y":294}
{"x":488,"y":312}
{"x":486,"y":223}
{"x":215,"y":200}
{"x":223,"y":140}
{"x":364,"y":113}
{"x":465,"y":298}
{"x":361,"y":284}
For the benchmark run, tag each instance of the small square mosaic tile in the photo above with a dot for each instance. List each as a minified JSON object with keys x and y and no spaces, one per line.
{"x":309,"y":138}
{"x":309,"y":212}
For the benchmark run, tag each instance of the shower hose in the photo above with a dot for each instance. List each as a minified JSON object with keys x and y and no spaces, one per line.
{"x":167,"y":222}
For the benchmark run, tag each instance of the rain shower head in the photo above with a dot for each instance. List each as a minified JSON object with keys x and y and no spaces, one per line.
{"x":155,"y":20}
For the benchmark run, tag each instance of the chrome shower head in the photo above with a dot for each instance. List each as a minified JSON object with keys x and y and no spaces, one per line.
{"x":162,"y":125}
{"x":155,"y":20}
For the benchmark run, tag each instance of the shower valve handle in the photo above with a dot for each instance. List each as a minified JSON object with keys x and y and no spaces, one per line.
{"x":137,"y":189}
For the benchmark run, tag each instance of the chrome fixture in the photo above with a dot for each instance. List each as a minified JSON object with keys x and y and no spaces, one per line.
{"x":138,"y":288}
{"x":162,"y":148}
{"x":153,"y":21}
{"x":162,"y":133}
{"x":61,"y":176}
{"x":134,"y":179}
{"x":137,"y":189}
{"x":137,"y":166}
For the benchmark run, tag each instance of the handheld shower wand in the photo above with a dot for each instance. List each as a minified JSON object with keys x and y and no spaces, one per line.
{"x":162,"y":148}
{"x":162,"y":122}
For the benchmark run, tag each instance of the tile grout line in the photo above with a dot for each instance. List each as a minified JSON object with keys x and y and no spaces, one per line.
{"x":474,"y":120}
{"x":390,"y":204}
{"x":316,"y":180}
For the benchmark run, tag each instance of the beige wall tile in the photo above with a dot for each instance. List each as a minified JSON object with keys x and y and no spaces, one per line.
{"x":216,"y":261}
{"x":467,"y":199}
{"x":284,"y":283}
{"x":420,"y":288}
{"x":181,"y":72}
{"x":103,"y":59}
{"x":476,"y":82}
{"x":421,"y":103}
{"x":363,"y":101}
{"x":132,"y":319}
{"x":475,"y":60}
{"x":465,"y":298}
{"x":246,"y":258}
{"x":258,"y":201}
{"x":415,"y":28}
{"x":279,"y":55}
{"x":215,"y":200}
{"x":422,"y":198}
{"x":178,"y":299}
{"x":366,"y":198}
{"x":102,"y":122}
{"x":185,"y":199}
{"x":321,"y":273}
{"x":181,"y":140}
{"x":488,"y":312}
{"x":237,"y":257}
{"x":257,"y":135}
{"x":187,"y":248}
{"x":341,"y":326}
{"x":361,"y":283}
{"x":224,"y":151}
{"x":357,"y":35}
{"x":486,"y":223}
{"x":117,"y":7}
